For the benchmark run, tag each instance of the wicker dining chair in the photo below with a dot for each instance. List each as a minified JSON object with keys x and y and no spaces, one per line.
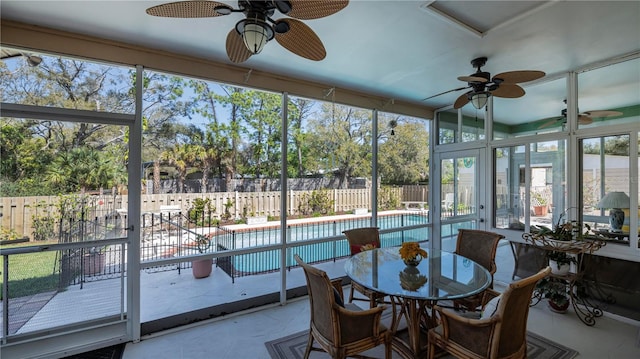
{"x":479,"y":246}
{"x":340,"y":331}
{"x":500,"y":332}
{"x":360,"y":239}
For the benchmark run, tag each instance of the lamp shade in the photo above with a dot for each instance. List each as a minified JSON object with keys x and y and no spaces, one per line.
{"x":478,"y":100}
{"x":255,"y":34}
{"x":615,"y":200}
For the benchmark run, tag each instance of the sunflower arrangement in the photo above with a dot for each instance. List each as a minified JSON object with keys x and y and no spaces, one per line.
{"x":411,"y":250}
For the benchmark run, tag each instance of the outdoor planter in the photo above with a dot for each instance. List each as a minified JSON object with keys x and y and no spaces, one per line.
{"x":202,"y":267}
{"x":93,"y":263}
{"x":559,"y":269}
{"x":540,"y":211}
{"x":559,"y":304}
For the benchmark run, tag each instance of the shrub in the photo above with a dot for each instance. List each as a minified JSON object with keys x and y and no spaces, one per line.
{"x":201,"y":212}
{"x":316,"y":202}
{"x":388,"y":199}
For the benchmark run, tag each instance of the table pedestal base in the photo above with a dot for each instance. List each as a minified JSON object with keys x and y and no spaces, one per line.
{"x":411,"y":342}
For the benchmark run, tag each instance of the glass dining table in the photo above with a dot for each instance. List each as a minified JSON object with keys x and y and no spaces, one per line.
{"x":414,"y":290}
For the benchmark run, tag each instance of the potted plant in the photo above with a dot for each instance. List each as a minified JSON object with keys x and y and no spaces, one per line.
{"x":202,"y":268}
{"x":555,"y":291}
{"x":560,"y":262}
{"x":94,"y":261}
{"x":562,"y":232}
{"x":540,"y":204}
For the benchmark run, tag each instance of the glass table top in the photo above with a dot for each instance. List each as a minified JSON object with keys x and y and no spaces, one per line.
{"x":442,"y":275}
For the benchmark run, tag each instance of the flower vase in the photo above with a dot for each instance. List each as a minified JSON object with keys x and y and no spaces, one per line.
{"x":413,"y":262}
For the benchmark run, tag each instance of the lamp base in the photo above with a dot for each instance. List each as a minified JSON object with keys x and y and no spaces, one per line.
{"x":616,"y":219}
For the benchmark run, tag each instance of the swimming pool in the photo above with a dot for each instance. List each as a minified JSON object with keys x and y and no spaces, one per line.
{"x":268,"y":261}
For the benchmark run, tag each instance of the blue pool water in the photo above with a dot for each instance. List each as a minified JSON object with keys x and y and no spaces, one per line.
{"x":267,"y":261}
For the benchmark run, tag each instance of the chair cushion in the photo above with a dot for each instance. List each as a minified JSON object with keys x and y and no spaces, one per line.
{"x":357,"y":248}
{"x":491,"y":307}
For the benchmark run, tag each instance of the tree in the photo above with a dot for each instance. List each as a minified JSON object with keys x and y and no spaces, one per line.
{"x":233,"y":129}
{"x":404,"y":157}
{"x":219,"y":140}
{"x":44,"y":145}
{"x":164,"y":108}
{"x":299,"y":111}
{"x":340,"y":138}
{"x":264,"y":127}
{"x":84,"y":168}
{"x":182,"y":157}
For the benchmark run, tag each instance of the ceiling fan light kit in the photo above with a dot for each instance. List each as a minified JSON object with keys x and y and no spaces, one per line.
{"x":255,"y":33}
{"x":251,"y":34}
{"x":478,"y":100}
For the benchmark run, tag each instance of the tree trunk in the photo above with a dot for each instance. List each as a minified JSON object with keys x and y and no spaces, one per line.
{"x":156,"y":177}
{"x":205,"y":178}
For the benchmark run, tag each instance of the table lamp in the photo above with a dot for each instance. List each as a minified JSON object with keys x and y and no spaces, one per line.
{"x":615,"y":201}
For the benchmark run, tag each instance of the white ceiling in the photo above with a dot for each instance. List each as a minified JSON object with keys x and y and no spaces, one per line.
{"x":395,"y":49}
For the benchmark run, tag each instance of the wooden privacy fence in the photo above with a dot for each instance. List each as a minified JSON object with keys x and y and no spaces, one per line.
{"x":416,"y":193}
{"x":18,"y":213}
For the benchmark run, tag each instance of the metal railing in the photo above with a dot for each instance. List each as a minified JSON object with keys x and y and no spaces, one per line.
{"x":170,"y":242}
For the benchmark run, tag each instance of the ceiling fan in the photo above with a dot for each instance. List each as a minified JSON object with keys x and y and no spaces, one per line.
{"x":584,"y":118}
{"x":250,"y":34}
{"x":483,"y":86}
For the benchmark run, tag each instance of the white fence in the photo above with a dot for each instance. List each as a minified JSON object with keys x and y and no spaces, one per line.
{"x":18,"y":212}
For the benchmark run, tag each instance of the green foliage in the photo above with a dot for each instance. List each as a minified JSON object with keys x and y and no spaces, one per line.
{"x":242,"y":136}
{"x":201,"y":212}
{"x":340,"y":140}
{"x":43,"y":223}
{"x":538,"y":198}
{"x":554,"y":289}
{"x":182,"y":157}
{"x":404,"y":157}
{"x":388,"y":198}
{"x":613,"y":145}
{"x":561,"y":258}
{"x":8,"y":234}
{"x":62,"y":156}
{"x":72,"y":206}
{"x":563,"y":231}
{"x":227,"y":209}
{"x":316,"y":203}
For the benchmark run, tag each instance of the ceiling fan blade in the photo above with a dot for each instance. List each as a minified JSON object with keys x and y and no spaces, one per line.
{"x":601,"y":113}
{"x":315,"y":9}
{"x":301,"y":40}
{"x":236,"y":50}
{"x":187,"y":9}
{"x":514,"y":77}
{"x":461,"y":101}
{"x":508,"y":91}
{"x":442,"y":93}
{"x":472,"y":79}
{"x":584,"y":119}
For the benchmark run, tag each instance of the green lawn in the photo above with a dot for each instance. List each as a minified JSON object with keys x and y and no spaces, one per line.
{"x":30,"y":273}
